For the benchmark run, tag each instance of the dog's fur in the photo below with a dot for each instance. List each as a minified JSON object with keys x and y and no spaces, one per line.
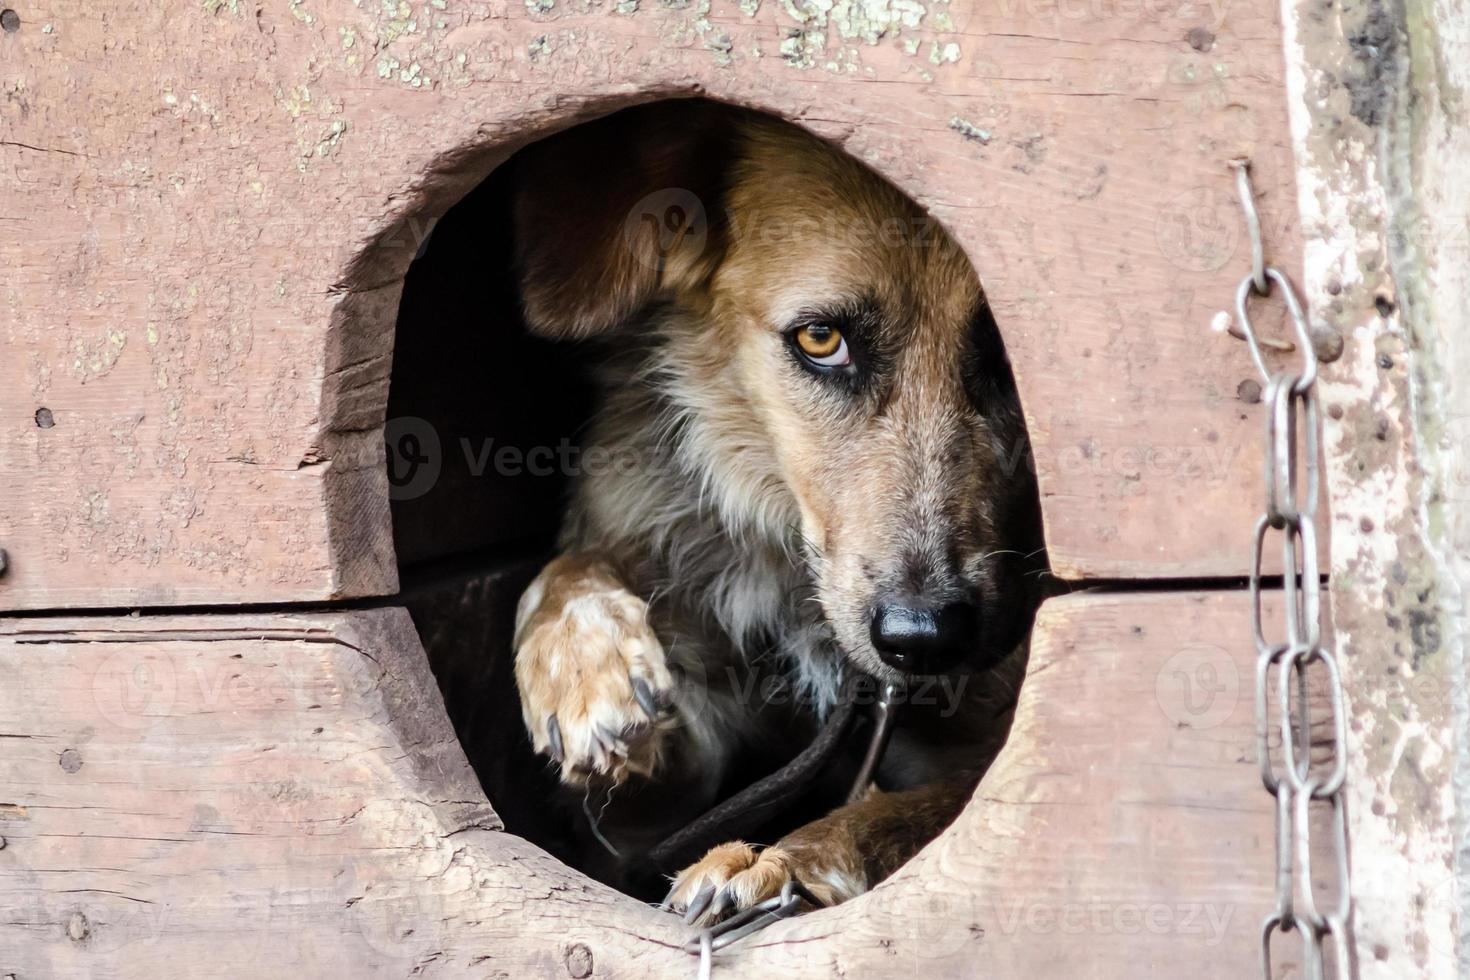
{"x":752,"y":512}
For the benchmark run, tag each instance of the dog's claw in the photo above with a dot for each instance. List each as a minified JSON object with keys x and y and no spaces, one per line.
{"x":698,"y":903}
{"x":644,"y":693}
{"x":667,"y":905}
{"x":553,"y":735}
{"x":582,"y":652}
{"x":612,"y":744}
{"x":723,"y":901}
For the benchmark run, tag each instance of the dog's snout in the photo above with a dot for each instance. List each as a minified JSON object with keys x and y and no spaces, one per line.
{"x":919,"y":638}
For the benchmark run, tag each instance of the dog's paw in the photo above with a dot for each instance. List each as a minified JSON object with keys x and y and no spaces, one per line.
{"x":594,"y":686}
{"x":733,"y":877}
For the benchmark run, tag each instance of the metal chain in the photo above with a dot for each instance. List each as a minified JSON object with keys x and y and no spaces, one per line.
{"x":1292,"y":450}
{"x":794,"y":893}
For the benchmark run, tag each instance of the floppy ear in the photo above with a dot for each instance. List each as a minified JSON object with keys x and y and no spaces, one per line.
{"x":611,"y":213}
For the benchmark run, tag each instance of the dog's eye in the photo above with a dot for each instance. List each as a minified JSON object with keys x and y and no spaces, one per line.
{"x":822,"y":345}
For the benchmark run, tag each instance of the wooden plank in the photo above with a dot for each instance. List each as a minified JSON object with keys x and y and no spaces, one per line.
{"x":207,"y":795}
{"x":199,"y":795}
{"x":209,"y":210}
{"x":1123,"y":832}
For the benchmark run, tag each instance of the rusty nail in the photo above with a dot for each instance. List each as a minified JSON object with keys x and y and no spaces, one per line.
{"x":1326,"y":343}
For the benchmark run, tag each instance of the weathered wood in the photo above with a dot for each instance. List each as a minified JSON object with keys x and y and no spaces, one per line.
{"x":1382,"y":86}
{"x":201,"y":796}
{"x":206,"y":796}
{"x":209,"y":208}
{"x":465,"y":623}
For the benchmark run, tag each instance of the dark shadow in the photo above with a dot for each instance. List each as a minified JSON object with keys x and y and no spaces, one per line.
{"x":475,"y":506}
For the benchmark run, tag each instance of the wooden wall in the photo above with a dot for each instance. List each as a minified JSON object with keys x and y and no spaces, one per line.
{"x":209,"y":209}
{"x":282,"y":795}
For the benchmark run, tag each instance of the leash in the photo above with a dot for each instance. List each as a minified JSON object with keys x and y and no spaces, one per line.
{"x":780,"y":786}
{"x":744,"y":813}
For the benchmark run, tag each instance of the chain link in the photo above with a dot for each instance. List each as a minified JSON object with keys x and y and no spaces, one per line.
{"x":794,"y":893}
{"x":1300,"y":779}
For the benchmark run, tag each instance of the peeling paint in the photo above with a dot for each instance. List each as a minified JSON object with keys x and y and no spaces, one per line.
{"x":96,"y":357}
{"x":947,"y":54}
{"x":1400,"y":652}
{"x":872,"y":20}
{"x":800,"y":48}
{"x":722,"y":46}
{"x":969,"y":130}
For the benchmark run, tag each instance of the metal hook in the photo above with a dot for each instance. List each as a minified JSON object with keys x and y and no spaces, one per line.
{"x":1253,"y":225}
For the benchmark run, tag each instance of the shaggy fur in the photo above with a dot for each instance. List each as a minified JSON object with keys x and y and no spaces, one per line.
{"x":754,"y":511}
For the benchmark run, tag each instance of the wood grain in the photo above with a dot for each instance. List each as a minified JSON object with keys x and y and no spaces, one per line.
{"x":198,"y":796}
{"x":209,"y":209}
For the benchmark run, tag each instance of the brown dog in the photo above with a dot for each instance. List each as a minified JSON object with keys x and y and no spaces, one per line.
{"x":817,"y":455}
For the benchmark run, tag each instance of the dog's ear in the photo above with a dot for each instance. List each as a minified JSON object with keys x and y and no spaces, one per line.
{"x":613,"y":212}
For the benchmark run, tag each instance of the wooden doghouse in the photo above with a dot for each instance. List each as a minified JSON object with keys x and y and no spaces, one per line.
{"x":211,"y":764}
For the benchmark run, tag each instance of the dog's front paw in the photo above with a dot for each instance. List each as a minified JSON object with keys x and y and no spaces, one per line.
{"x":593,"y":682}
{"x":733,"y":877}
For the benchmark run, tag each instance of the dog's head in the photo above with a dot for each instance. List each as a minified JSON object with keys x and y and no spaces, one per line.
{"x":832,"y":348}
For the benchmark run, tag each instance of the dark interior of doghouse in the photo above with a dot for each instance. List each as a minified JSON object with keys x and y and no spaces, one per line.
{"x":472,"y":394}
{"x":470,"y":389}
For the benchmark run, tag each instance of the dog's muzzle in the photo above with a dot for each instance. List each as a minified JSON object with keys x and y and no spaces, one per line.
{"x":920,"y":638}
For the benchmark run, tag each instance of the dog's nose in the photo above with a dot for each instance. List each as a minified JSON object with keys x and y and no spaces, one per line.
{"x":923,"y":639}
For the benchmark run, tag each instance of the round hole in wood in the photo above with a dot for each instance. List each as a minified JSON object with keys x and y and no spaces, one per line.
{"x":486,"y":435}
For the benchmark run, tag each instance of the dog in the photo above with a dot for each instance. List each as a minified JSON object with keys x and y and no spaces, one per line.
{"x":818,"y":465}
